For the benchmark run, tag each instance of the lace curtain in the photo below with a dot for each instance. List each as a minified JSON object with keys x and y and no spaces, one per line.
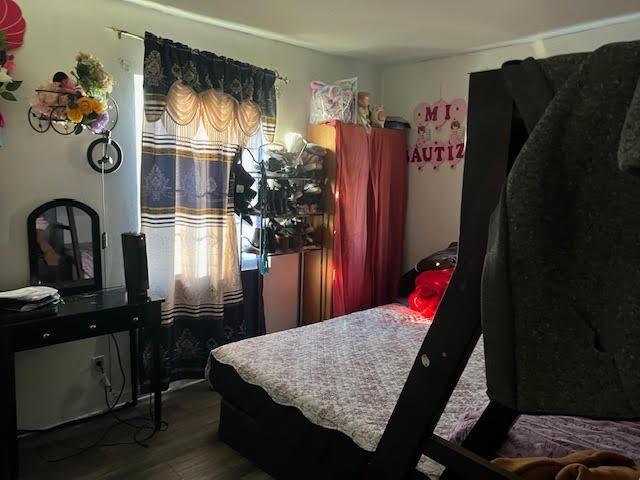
{"x":199,"y":109}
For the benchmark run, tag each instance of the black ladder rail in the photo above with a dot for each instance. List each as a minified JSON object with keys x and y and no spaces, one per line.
{"x":487,"y":434}
{"x":462,"y":462}
{"x":457,"y":326}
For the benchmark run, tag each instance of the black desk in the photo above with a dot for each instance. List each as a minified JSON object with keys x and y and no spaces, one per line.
{"x":81,"y":316}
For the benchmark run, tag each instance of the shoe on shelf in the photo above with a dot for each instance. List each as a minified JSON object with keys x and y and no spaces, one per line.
{"x":269,"y":242}
{"x":275,"y":165}
{"x":312,"y":188}
{"x":310,"y":168}
{"x":315,"y":149}
{"x":283,"y":243}
{"x":310,"y":198}
{"x":252,"y":245}
{"x":242,"y":177}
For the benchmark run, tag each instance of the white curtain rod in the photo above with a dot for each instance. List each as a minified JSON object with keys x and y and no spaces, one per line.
{"x":123,"y":33}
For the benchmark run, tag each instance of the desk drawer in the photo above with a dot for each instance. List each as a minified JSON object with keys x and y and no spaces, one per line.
{"x":60,"y":330}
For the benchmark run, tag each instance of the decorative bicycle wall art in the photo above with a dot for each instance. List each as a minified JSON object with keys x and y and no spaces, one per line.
{"x":72,"y":105}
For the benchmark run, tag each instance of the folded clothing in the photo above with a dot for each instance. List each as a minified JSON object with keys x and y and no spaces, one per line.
{"x":21,"y":307}
{"x":28,"y":294}
{"x":583,"y":465}
{"x":397,"y":123}
{"x":28,"y":299}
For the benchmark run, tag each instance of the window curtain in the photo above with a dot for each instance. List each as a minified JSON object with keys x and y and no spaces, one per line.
{"x":369,"y":216}
{"x":200,"y":108}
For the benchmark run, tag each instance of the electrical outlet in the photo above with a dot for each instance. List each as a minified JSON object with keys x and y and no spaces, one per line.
{"x":98,"y":364}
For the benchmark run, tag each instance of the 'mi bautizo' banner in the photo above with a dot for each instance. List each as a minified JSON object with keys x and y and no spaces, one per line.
{"x":441,"y":133}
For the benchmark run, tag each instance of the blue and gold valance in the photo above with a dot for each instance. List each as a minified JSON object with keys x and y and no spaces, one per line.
{"x":174,"y":73}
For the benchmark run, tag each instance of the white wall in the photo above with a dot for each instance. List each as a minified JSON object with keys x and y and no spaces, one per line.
{"x":55,"y":384}
{"x":433,"y":213}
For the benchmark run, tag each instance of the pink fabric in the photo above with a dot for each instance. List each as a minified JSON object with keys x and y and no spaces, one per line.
{"x":369,"y":216}
{"x":389,"y":188}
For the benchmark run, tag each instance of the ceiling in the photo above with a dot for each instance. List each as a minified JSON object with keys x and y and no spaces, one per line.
{"x":401,"y":30}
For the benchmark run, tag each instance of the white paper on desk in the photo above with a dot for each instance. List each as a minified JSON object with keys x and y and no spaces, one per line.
{"x":28,"y":294}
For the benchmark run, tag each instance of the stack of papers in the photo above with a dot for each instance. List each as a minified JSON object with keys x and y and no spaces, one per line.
{"x":28,"y":299}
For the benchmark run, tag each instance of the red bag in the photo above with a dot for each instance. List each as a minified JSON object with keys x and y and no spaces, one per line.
{"x":430,"y":287}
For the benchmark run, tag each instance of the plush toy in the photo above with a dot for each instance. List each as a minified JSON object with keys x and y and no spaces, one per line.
{"x":378,"y":116}
{"x":363,"y":111}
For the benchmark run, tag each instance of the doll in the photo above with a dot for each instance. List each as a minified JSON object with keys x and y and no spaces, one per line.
{"x":455,"y":136}
{"x":424,"y":134}
{"x":363,"y":111}
{"x":378,"y":116}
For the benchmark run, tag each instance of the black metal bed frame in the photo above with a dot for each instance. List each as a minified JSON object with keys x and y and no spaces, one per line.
{"x":495,"y":135}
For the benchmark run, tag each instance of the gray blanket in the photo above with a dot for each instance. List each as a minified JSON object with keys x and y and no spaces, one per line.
{"x":561,"y":285}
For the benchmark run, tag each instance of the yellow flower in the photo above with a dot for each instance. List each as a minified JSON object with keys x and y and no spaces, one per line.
{"x":98,"y":106}
{"x":85,"y":104}
{"x":74,"y":115}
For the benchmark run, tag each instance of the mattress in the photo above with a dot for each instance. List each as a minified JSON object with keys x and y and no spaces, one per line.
{"x":346,"y":374}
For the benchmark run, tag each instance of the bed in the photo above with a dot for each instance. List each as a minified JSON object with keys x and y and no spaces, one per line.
{"x":315,"y":400}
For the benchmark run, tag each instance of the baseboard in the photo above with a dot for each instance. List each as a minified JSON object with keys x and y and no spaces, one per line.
{"x":125,"y":394}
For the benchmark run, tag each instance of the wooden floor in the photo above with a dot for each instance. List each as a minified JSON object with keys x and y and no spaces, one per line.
{"x":188,"y":450}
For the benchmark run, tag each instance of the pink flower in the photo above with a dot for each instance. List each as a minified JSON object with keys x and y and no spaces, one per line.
{"x":68,"y":84}
{"x":10,"y":64}
{"x":48,"y":102}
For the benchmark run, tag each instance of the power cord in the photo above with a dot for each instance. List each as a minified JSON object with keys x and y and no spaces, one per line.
{"x":147,"y":426}
{"x":139,"y":428}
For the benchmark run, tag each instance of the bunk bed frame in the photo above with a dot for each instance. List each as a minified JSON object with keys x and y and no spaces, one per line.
{"x":496,"y":133}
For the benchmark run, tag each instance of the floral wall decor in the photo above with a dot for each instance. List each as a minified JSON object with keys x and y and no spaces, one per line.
{"x":82,"y":101}
{"x":12,"y":28}
{"x":77,"y":102}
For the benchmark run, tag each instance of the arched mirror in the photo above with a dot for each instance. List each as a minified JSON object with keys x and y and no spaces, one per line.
{"x":64,"y":246}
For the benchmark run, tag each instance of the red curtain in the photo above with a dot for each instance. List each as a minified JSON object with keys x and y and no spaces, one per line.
{"x":371,"y":191}
{"x":351,"y":288}
{"x":388,"y":166}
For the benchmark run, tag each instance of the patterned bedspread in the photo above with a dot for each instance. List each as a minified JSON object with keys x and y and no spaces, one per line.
{"x":347,"y":373}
